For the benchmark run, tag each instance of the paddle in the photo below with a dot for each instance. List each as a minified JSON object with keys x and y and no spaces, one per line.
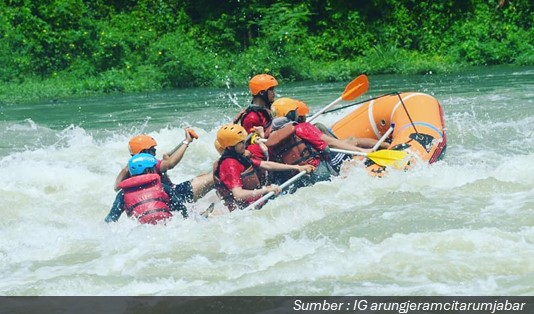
{"x":356,"y":88}
{"x":384,"y":157}
{"x":193,"y":135}
{"x":383,"y":138}
{"x":360,"y":102}
{"x":282,"y":186}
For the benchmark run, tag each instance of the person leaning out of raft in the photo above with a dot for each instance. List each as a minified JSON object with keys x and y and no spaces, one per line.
{"x":192,"y":189}
{"x":239,"y":180}
{"x":258,"y":114}
{"x":301,"y":143}
{"x":186,"y":192}
{"x":143,"y":196}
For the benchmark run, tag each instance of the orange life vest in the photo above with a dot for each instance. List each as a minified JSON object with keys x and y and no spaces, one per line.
{"x":286,"y":147}
{"x":145,"y":199}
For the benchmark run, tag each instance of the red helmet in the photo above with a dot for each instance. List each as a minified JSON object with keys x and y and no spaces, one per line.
{"x":261,"y":82}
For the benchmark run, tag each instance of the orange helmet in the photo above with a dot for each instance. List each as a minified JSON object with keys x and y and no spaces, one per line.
{"x":141,"y":142}
{"x":302,"y":109}
{"x":282,"y":106}
{"x":231,"y":134}
{"x":261,"y":82}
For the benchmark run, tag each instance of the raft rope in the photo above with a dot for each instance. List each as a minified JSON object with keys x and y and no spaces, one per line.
{"x":377,"y":97}
{"x":407,"y":113}
{"x":360,"y":102}
{"x":370,"y":99}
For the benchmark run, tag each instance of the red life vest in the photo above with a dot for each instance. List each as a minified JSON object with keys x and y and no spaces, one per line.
{"x":250,"y":177}
{"x":262,"y":112}
{"x":145,"y":199}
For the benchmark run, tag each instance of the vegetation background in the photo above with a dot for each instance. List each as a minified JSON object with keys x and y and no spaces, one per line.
{"x":59,"y":48}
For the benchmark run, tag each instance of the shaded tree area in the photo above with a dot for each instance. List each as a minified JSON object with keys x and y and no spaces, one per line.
{"x":127,"y":45}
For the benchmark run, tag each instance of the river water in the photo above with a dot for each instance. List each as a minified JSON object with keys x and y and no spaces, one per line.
{"x":462,"y":226}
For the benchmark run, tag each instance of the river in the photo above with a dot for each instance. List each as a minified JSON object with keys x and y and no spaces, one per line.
{"x":462,"y":226}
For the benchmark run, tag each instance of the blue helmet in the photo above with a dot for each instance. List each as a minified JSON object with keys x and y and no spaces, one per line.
{"x":140,"y":162}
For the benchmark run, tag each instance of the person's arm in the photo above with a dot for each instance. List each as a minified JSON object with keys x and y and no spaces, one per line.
{"x":116,"y":209}
{"x":230,"y":175}
{"x":259,"y":130}
{"x":123,"y":175}
{"x":275,"y":166}
{"x":335,"y":143}
{"x":241,"y":194}
{"x":264,"y":150}
{"x":365,"y":142}
{"x":171,"y":160}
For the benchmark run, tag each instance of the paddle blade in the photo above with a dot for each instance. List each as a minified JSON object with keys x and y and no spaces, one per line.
{"x":356,"y":88}
{"x":389,"y":158}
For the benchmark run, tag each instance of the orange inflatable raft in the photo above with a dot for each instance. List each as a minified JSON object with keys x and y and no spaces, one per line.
{"x":417,"y":120}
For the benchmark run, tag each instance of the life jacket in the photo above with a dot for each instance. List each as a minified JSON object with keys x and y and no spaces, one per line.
{"x":252,"y":178}
{"x":286,"y":147}
{"x":259,"y":110}
{"x":145,"y":199}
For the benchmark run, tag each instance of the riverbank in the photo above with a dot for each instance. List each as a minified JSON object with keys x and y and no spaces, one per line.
{"x":65,"y":85}
{"x":51,"y":51}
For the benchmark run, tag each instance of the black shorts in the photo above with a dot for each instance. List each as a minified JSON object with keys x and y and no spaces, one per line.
{"x":337,"y":160}
{"x":184,"y":191}
{"x":180,"y":194}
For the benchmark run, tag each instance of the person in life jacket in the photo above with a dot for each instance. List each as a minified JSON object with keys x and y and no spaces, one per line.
{"x":189,"y":191}
{"x":143,"y":196}
{"x":299,"y":143}
{"x":257,"y":117}
{"x":238,"y":179}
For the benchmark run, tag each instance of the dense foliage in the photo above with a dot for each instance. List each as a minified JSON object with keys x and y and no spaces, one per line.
{"x":62,"y":47}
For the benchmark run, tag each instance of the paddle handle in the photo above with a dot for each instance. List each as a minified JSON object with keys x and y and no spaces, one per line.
{"x":282,"y":186}
{"x":348,"y":152}
{"x":384,"y":157}
{"x":355,"y":88}
{"x":192,"y":133}
{"x":383,"y":138}
{"x":318,"y":113}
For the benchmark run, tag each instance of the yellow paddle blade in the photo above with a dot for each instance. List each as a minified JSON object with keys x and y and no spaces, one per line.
{"x":356,"y":88}
{"x":389,"y":158}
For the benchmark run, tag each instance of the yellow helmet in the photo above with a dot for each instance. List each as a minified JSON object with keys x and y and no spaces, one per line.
{"x":141,"y":142}
{"x":261,"y":82}
{"x":282,"y":106}
{"x":302,"y":109}
{"x":231,"y":134}
{"x":218,"y":147}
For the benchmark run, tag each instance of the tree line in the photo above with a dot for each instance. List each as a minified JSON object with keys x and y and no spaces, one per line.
{"x":76,"y":47}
